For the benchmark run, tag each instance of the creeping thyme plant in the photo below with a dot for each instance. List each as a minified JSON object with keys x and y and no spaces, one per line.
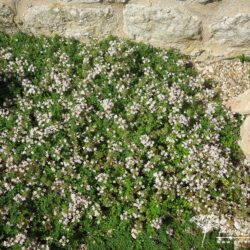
{"x":109,"y":136}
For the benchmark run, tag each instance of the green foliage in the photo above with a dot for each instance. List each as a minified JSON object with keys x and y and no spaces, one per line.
{"x":243,"y":58}
{"x":104,"y":141}
{"x":182,"y":235}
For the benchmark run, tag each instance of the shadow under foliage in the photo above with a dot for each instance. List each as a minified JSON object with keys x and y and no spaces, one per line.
{"x":9,"y":87}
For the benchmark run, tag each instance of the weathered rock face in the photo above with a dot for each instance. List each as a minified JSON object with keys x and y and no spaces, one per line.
{"x":245,"y":137}
{"x":232,"y":31}
{"x":207,"y":28}
{"x":70,"y":21}
{"x":7,"y":18}
{"x":158,"y":26}
{"x":241,"y":104}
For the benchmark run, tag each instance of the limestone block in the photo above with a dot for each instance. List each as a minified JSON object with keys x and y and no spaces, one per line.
{"x":245,"y":137}
{"x":74,"y":21}
{"x":6,"y":18}
{"x":232,"y":31}
{"x":241,"y":103}
{"x":160,"y":25}
{"x":38,"y":17}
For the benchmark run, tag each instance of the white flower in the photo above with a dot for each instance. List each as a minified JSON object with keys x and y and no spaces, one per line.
{"x":145,"y":140}
{"x":156,"y":223}
{"x":107,"y":104}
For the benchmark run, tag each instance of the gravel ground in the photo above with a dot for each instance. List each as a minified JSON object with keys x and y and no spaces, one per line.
{"x":231,"y":76}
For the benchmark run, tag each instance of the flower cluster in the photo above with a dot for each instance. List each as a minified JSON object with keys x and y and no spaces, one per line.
{"x":116,"y":134}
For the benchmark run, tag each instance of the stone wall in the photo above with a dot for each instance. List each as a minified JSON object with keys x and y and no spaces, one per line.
{"x":198,"y":27}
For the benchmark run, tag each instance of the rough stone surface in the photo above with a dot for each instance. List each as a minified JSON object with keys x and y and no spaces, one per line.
{"x":232,"y":31}
{"x":241,"y":103}
{"x":245,"y":137}
{"x":6,"y":18}
{"x":70,"y":21}
{"x":159,"y":26}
